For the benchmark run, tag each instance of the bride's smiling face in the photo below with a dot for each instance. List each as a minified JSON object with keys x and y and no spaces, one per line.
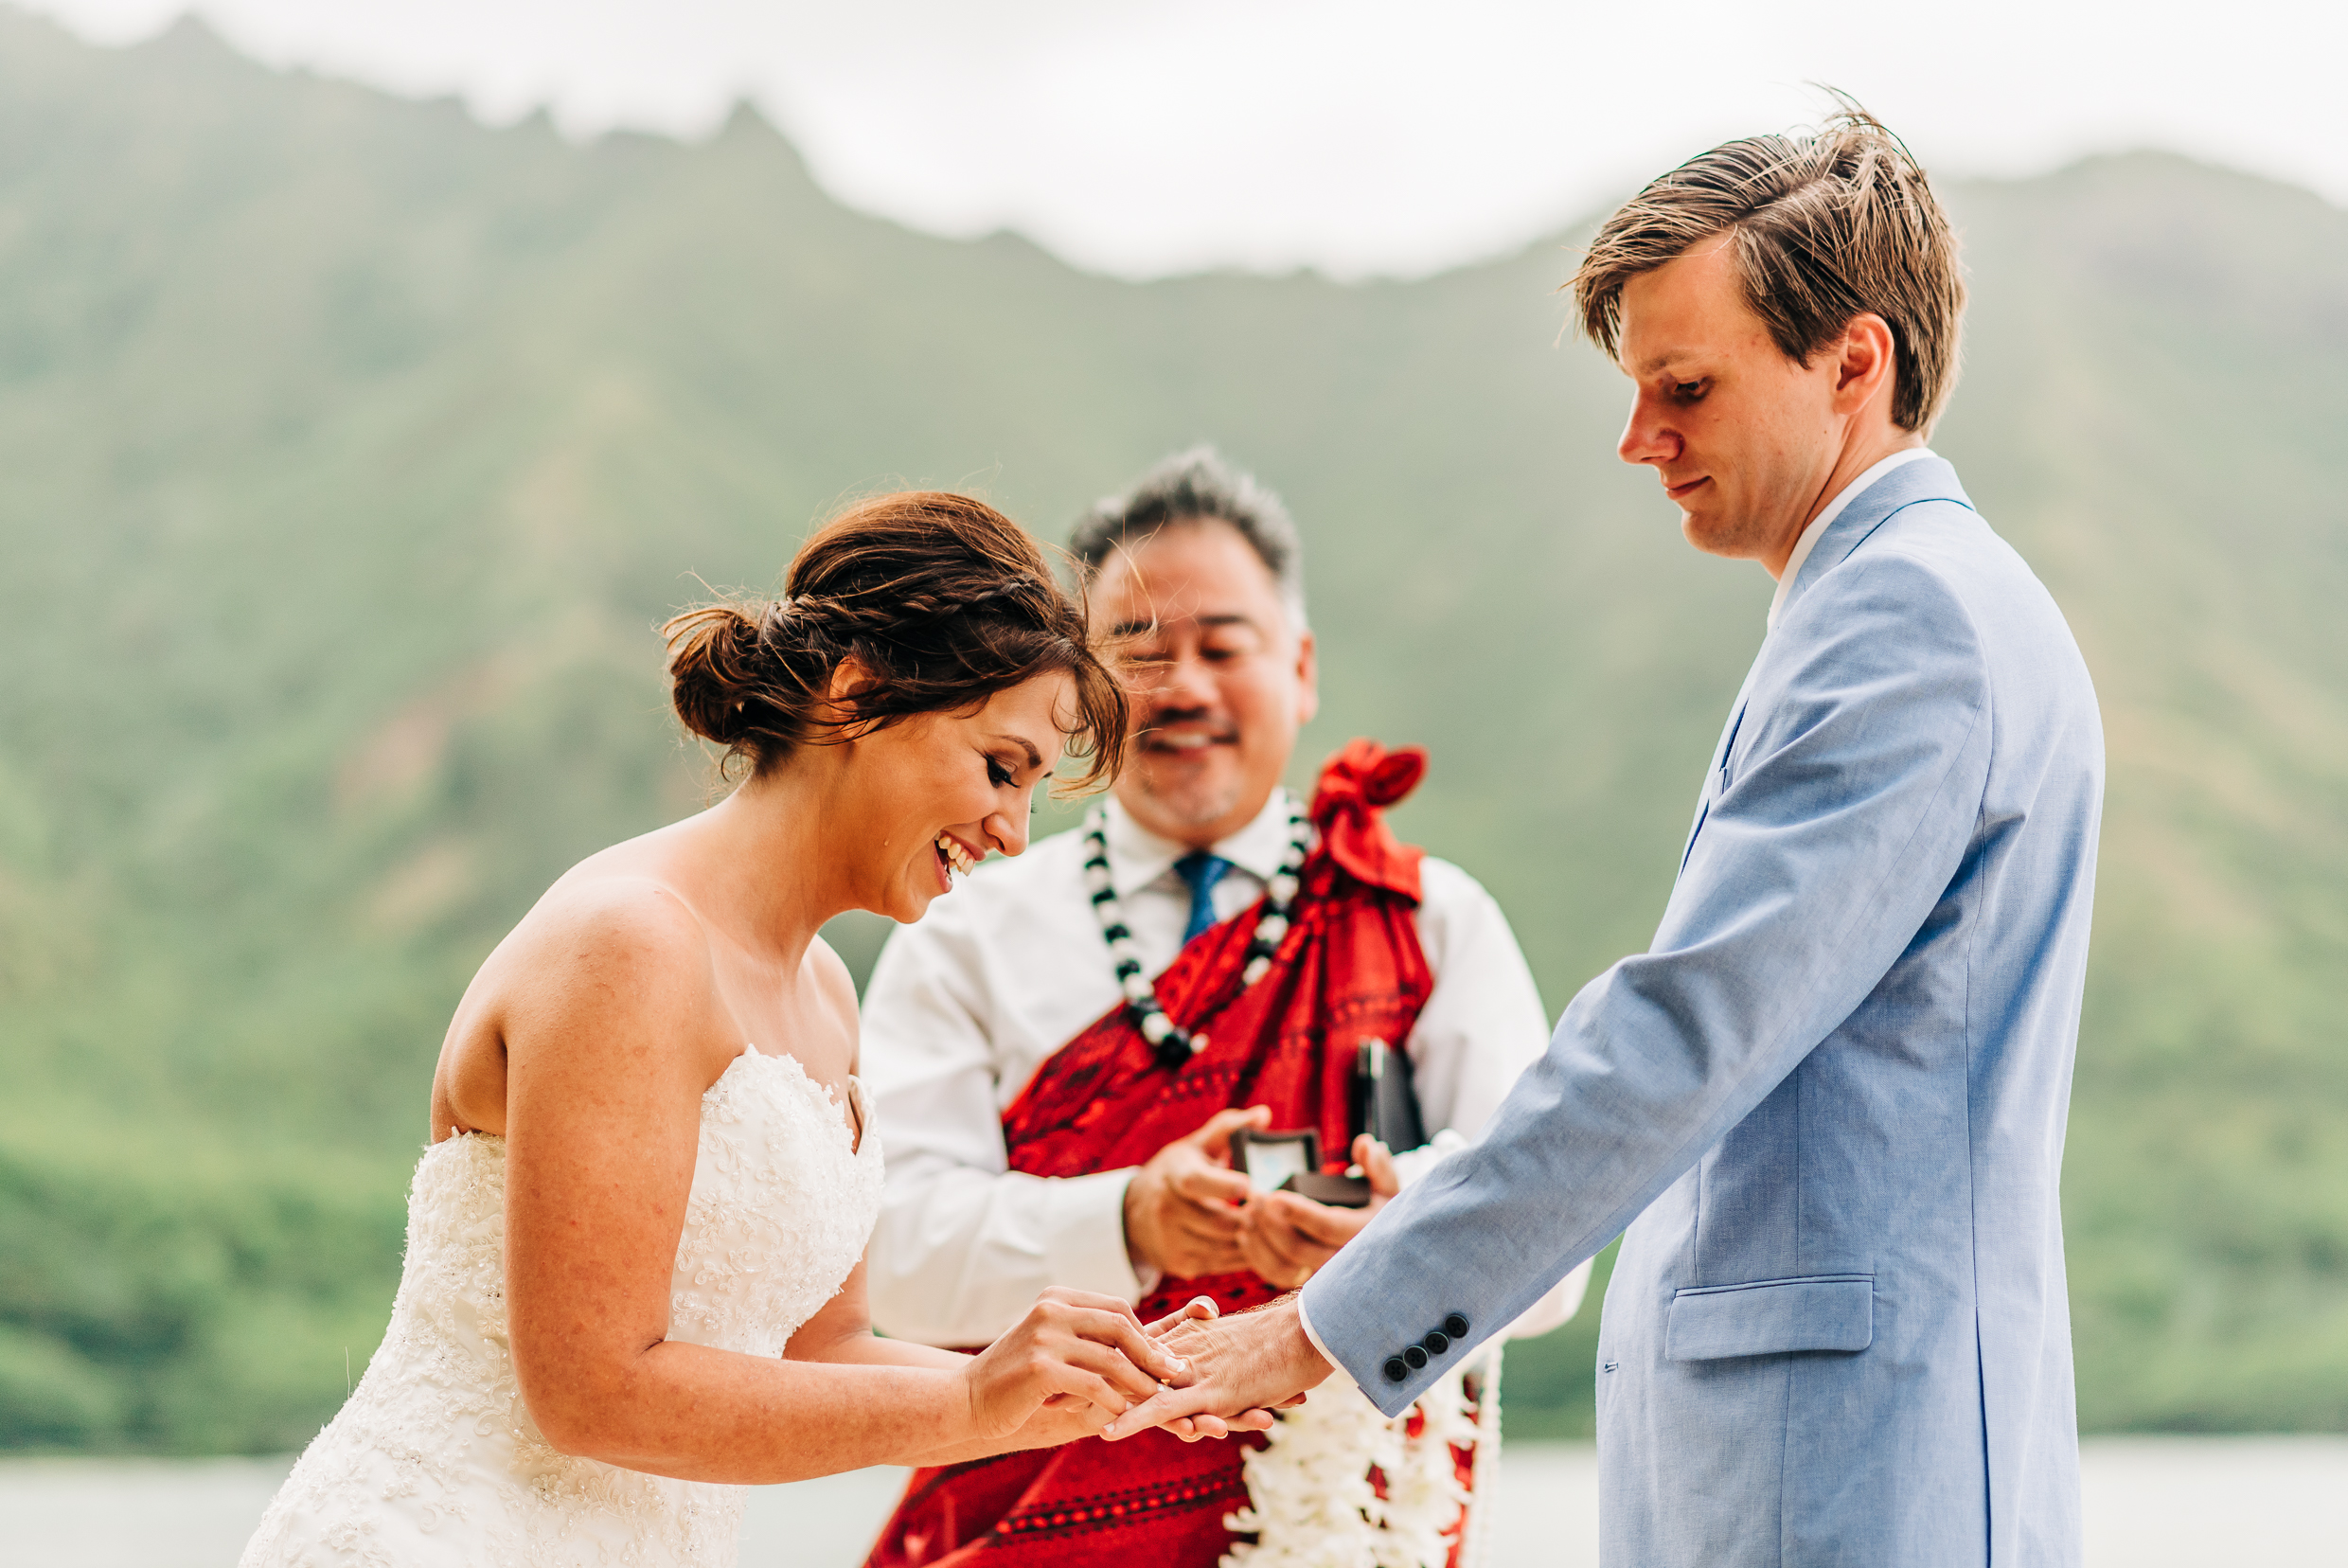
{"x":931,"y":797}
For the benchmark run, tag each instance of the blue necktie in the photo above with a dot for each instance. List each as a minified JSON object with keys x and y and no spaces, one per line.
{"x":1201,"y":871}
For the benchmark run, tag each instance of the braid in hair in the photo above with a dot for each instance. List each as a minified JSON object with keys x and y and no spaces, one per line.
{"x":939,"y":598}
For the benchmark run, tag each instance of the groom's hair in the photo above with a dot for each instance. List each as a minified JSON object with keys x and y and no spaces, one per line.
{"x":1827,"y":226}
{"x":1191,"y":487}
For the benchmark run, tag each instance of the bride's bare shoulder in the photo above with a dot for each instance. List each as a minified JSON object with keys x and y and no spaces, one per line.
{"x":597,"y":925}
{"x":617,"y":961}
{"x":618,"y":944}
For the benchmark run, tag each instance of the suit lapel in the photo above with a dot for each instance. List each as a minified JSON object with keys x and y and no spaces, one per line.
{"x":1717,"y":777}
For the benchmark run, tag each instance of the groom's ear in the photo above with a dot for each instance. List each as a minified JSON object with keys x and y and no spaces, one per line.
{"x":1864,"y":364}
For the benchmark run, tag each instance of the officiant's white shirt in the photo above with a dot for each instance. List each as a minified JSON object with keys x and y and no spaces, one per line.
{"x":965,"y":1004}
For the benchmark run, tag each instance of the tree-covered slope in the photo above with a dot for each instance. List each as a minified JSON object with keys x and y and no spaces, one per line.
{"x":350,"y":452}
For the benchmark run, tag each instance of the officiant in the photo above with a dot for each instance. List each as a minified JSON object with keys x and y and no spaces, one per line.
{"x":1062,"y":1049}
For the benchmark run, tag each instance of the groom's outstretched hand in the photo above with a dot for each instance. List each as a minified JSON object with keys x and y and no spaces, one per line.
{"x":1192,"y":1428}
{"x":1238,"y":1367}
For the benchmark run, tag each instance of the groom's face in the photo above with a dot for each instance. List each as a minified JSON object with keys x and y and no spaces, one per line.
{"x":1221,"y":678}
{"x":1743,"y":437}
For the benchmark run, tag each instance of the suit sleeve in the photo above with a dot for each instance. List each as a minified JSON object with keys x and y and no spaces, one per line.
{"x":1483,"y":1024}
{"x":1840,"y":816}
{"x":964,"y":1244}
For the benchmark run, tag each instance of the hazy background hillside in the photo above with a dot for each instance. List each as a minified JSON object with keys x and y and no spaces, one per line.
{"x":350,"y":452}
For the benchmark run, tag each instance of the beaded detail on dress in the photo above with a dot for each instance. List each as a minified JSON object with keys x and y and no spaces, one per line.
{"x":434,"y":1458}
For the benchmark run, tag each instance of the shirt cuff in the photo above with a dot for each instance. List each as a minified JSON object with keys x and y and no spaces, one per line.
{"x":1084,"y":1236}
{"x":1304,"y":1321}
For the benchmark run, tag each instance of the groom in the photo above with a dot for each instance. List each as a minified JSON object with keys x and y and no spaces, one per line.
{"x":1828,"y":1102}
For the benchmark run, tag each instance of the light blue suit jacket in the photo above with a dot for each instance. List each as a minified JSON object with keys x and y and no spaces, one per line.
{"x":1831,"y":1097}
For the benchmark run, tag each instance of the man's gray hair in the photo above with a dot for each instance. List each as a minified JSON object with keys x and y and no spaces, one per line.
{"x":1191,"y":487}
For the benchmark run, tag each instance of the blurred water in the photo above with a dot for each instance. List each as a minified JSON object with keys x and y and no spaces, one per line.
{"x":2151,"y":1502}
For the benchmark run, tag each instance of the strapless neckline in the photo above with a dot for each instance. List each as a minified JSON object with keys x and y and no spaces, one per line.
{"x":821,"y":1090}
{"x":862,"y":1101}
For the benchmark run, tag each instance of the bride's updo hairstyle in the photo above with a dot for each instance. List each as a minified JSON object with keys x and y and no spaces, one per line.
{"x":941,"y":598}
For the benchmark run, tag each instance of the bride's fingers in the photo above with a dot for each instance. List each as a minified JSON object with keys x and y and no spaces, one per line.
{"x":1078,"y":1385}
{"x":1059,"y":1320}
{"x":1088,"y":1388}
{"x":1112,"y":1369}
{"x":1093,"y":1301}
{"x":1108,"y":1319}
{"x":1125,"y":1333}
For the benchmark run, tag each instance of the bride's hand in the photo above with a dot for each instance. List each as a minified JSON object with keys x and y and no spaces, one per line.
{"x":1072,"y":1347}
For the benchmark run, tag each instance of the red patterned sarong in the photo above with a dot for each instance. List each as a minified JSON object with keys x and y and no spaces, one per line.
{"x":1349,"y":969}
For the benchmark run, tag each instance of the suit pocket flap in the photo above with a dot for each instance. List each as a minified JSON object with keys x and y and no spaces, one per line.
{"x":1770,"y":1317}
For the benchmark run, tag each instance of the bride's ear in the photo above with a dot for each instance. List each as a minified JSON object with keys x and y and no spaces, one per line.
{"x":851,"y":678}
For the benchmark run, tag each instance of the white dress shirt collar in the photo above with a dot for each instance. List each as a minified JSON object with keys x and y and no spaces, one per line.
{"x":1817,"y":530}
{"x":1138,"y":857}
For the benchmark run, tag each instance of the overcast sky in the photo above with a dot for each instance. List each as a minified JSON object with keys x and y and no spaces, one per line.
{"x":1147,"y":137}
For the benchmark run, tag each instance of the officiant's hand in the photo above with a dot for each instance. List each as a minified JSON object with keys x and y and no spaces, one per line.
{"x":1181,"y":1209}
{"x":1287,"y":1239}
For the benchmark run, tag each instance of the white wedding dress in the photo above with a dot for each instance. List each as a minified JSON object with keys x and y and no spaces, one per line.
{"x":434,"y":1460}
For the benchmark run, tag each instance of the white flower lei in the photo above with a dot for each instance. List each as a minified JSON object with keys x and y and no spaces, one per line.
{"x":1310,"y":1502}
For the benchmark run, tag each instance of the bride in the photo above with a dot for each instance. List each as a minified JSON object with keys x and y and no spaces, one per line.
{"x":634,"y":1276}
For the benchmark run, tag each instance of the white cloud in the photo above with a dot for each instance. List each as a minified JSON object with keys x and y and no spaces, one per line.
{"x":1357,"y":136}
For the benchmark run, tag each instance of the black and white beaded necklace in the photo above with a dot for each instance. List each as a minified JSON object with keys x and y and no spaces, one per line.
{"x":1173,"y":1044}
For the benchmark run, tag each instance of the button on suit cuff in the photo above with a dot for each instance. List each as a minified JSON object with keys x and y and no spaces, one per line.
{"x":1304,"y":1321}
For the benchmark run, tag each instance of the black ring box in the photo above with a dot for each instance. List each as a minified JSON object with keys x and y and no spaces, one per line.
{"x":1295,"y":1152}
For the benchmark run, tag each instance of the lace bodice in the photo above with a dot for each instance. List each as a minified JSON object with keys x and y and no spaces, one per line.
{"x":435,"y":1459}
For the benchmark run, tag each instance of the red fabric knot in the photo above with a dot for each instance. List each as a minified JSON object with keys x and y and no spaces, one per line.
{"x":1348,"y":806}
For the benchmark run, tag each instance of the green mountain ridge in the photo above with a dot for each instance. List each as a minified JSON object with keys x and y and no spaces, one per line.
{"x":350,"y":452}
